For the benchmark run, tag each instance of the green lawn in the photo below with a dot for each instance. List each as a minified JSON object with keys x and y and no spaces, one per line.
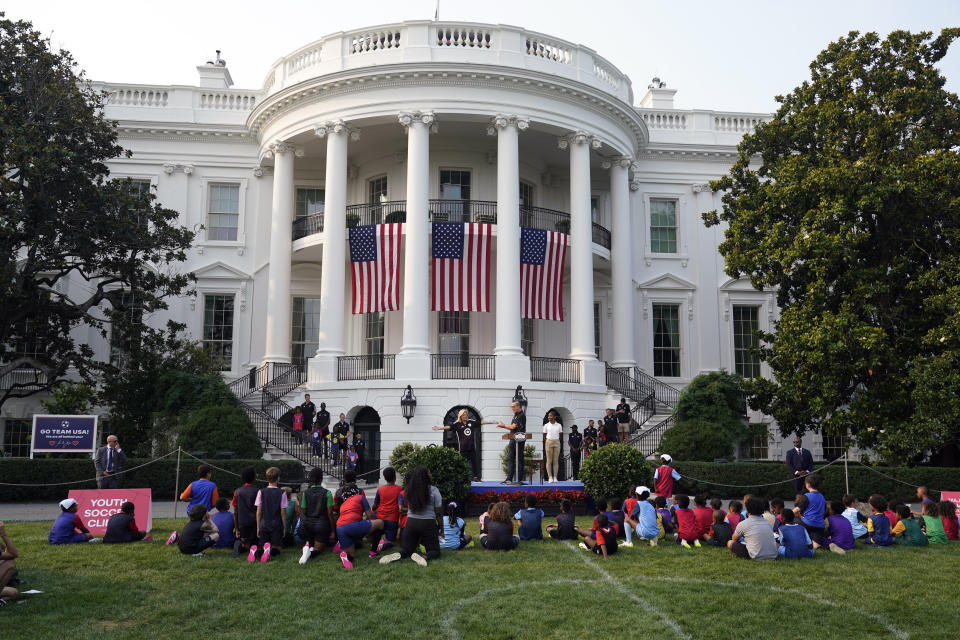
{"x":543,"y":590}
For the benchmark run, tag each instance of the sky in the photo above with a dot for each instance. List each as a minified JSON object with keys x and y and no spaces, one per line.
{"x":732,"y":56}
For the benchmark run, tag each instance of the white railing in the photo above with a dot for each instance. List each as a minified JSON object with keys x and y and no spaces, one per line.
{"x":736,"y":123}
{"x":451,"y":36}
{"x":665,"y":120}
{"x":303,"y":60}
{"x":606,"y":74}
{"x":227,"y":101}
{"x":374,"y":41}
{"x":137,"y":97}
{"x":548,"y":50}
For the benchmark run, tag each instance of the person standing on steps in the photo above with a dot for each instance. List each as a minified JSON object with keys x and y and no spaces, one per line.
{"x":623,"y":420}
{"x":575,"y":442}
{"x":552,"y":432}
{"x":517,"y":425}
{"x":339,"y":436}
{"x":465,"y":431}
{"x":109,"y":464}
{"x":323,"y":425}
{"x":309,"y":411}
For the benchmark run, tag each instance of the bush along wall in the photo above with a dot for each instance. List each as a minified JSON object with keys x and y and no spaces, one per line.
{"x":863,"y":480}
{"x":159,"y":476}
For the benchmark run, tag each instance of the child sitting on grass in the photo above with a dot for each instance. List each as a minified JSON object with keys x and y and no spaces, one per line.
{"x":794,"y":540}
{"x":68,"y":528}
{"x":932,"y":526}
{"x":453,"y":530}
{"x":198,"y":534}
{"x":733,"y":513}
{"x":8,"y":567}
{"x":485,"y":516}
{"x":499,"y":527}
{"x":907,"y":530}
{"x":603,"y":540}
{"x":687,"y":530}
{"x":720,"y":530}
{"x":703,"y":516}
{"x":121,"y":527}
{"x":839,"y":538}
{"x":948,"y":516}
{"x":628,"y":508}
{"x":851,"y":512}
{"x":666,"y":517}
{"x":316,"y":507}
{"x":531,"y":519}
{"x":223,"y":519}
{"x":386,"y":506}
{"x":878,"y":524}
{"x":565,"y":529}
{"x":646,"y":522}
{"x":615,"y":515}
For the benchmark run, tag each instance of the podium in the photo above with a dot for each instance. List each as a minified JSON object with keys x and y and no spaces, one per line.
{"x":521,"y":440}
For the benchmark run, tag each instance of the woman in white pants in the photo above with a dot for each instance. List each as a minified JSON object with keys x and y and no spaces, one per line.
{"x":552,"y":430}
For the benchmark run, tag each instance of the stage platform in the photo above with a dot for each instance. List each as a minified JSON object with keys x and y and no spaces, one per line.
{"x":495,"y":485}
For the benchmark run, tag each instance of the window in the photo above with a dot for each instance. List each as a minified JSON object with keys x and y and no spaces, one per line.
{"x":454,"y":185}
{"x":526,"y":336}
{"x":666,"y":340}
{"x":746,"y":323}
{"x":455,"y":335}
{"x":309,"y":202}
{"x":16,"y":438}
{"x":306,"y":329}
{"x":223,"y":212}
{"x":759,"y":441}
{"x":526,"y":194}
{"x":596,"y":329}
{"x":595,"y":210}
{"x":377,"y":190}
{"x":125,"y":318}
{"x":833,"y":447}
{"x":218,"y":328}
{"x":140,"y":189}
{"x":374,"y":340}
{"x":663,"y":226}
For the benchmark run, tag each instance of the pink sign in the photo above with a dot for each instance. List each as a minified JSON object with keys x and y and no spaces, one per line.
{"x":95,"y":506}
{"x":952,"y":496}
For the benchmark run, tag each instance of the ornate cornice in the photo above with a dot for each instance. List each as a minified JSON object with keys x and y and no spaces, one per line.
{"x":501,"y":121}
{"x":170,"y":167}
{"x":427,"y":118}
{"x":168,"y":131}
{"x":281,"y":147}
{"x":579,"y":137}
{"x":336,"y":127}
{"x":624,"y":162}
{"x":701,"y":187}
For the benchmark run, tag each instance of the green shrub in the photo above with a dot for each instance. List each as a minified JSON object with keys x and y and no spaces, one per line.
{"x":395,"y":216}
{"x":696,"y":440}
{"x":451,"y":471}
{"x":220,"y":428}
{"x":160,"y":476}
{"x":610,"y":471}
{"x":528,"y":452}
{"x":400,"y":458}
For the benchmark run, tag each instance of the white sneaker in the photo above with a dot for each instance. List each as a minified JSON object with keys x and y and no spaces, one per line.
{"x":584,"y":546}
{"x":684,"y":544}
{"x":419,"y":559}
{"x":833,"y":547}
{"x":653,"y":543}
{"x":626,"y":544}
{"x":387,"y":559}
{"x":305,"y":555}
{"x":95,"y":540}
{"x":697,"y":544}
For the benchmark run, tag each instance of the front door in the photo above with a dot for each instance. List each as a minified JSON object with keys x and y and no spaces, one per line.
{"x":449,"y":439}
{"x":367,"y":424}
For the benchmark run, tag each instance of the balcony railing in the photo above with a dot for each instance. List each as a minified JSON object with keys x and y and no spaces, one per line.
{"x":25,"y":379}
{"x":448,"y":211}
{"x":461,"y":366}
{"x":554,"y":370}
{"x":377,"y":366}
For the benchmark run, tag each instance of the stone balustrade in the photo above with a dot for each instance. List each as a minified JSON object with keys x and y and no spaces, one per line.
{"x":694,"y":121}
{"x":200,"y":105}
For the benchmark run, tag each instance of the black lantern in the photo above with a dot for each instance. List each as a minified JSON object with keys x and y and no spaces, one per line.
{"x":520,"y":398}
{"x":408,"y":403}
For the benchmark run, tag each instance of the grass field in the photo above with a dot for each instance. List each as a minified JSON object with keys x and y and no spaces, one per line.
{"x":543,"y":590}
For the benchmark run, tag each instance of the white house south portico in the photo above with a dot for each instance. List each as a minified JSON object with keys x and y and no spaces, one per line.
{"x":421,"y":123}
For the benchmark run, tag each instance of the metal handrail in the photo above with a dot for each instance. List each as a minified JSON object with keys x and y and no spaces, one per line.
{"x":250,"y":382}
{"x":648,"y":440}
{"x":375,"y":366}
{"x":462,"y":366}
{"x":666,"y":395}
{"x":308,"y":225}
{"x":274,"y":433}
{"x":554,"y":370}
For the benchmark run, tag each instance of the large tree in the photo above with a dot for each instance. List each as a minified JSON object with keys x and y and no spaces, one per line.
{"x":847,"y":204}
{"x":76,"y":248}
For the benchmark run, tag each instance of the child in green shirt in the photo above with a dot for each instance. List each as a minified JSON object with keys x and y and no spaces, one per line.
{"x":932,"y":525}
{"x":908,"y":531}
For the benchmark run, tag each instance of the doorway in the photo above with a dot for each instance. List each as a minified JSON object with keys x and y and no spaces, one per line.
{"x":450,"y":440}
{"x":367,"y":424}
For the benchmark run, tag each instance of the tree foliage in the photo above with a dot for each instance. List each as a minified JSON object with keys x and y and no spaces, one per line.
{"x":847,"y":204}
{"x":76,"y":248}
{"x":450,"y":471}
{"x":699,"y":440}
{"x":400,"y":458}
{"x":70,"y":399}
{"x":610,"y":471}
{"x":224,"y":427}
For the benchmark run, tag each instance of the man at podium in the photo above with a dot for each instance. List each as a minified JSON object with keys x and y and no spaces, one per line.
{"x":517,"y":425}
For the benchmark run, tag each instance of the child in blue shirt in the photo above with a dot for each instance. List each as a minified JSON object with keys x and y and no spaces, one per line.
{"x":615,"y":514}
{"x":814,"y":510}
{"x":851,"y":511}
{"x":666,"y":516}
{"x":224,"y":521}
{"x":453,"y":534}
{"x":878,"y":524}
{"x":794,"y":540}
{"x":202,"y":490}
{"x":530,"y":519}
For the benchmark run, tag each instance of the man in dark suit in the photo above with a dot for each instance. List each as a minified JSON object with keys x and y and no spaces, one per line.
{"x":109,"y":463}
{"x":800,"y":463}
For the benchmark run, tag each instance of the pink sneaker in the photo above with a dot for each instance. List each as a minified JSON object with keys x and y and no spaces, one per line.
{"x":373,"y":554}
{"x":266,"y":553}
{"x":173,"y":538}
{"x":336,"y":548}
{"x":252,"y":556}
{"x":345,"y":560}
{"x":148,"y":539}
{"x":382,"y":544}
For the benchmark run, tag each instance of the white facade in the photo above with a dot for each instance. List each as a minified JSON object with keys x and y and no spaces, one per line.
{"x":417,"y":116}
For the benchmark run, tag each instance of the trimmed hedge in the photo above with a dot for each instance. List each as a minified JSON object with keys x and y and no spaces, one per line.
{"x":863,"y":481}
{"x":159,"y":476}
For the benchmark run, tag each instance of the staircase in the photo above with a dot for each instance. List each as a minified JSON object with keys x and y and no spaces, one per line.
{"x":261,"y":398}
{"x":653,"y":405}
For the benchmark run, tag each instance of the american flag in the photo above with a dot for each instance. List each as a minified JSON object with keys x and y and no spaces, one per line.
{"x":375,"y":257}
{"x":542,"y":256}
{"x":461,"y":266}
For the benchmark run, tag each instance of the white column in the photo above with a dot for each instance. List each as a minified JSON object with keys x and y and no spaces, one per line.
{"x":710,"y":274}
{"x":512,"y":365}
{"x":621,"y":264}
{"x":279,"y":304}
{"x":413,"y":361}
{"x":331,"y":342}
{"x":582,"y":345}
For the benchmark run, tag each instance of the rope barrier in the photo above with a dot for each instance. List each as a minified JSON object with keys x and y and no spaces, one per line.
{"x":750,"y":486}
{"x":94,"y":479}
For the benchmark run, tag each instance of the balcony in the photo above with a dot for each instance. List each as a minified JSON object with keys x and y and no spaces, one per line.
{"x":448,"y":211}
{"x":554,"y":370}
{"x":377,"y":366}
{"x":462,"y":366}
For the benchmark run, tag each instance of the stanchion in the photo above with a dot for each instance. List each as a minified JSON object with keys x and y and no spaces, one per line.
{"x":176,"y":485}
{"x":846,"y":475}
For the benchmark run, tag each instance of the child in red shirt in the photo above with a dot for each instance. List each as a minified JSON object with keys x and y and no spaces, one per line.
{"x":703,"y":515}
{"x":948,"y":516}
{"x":386,"y":504}
{"x":687,"y":529}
